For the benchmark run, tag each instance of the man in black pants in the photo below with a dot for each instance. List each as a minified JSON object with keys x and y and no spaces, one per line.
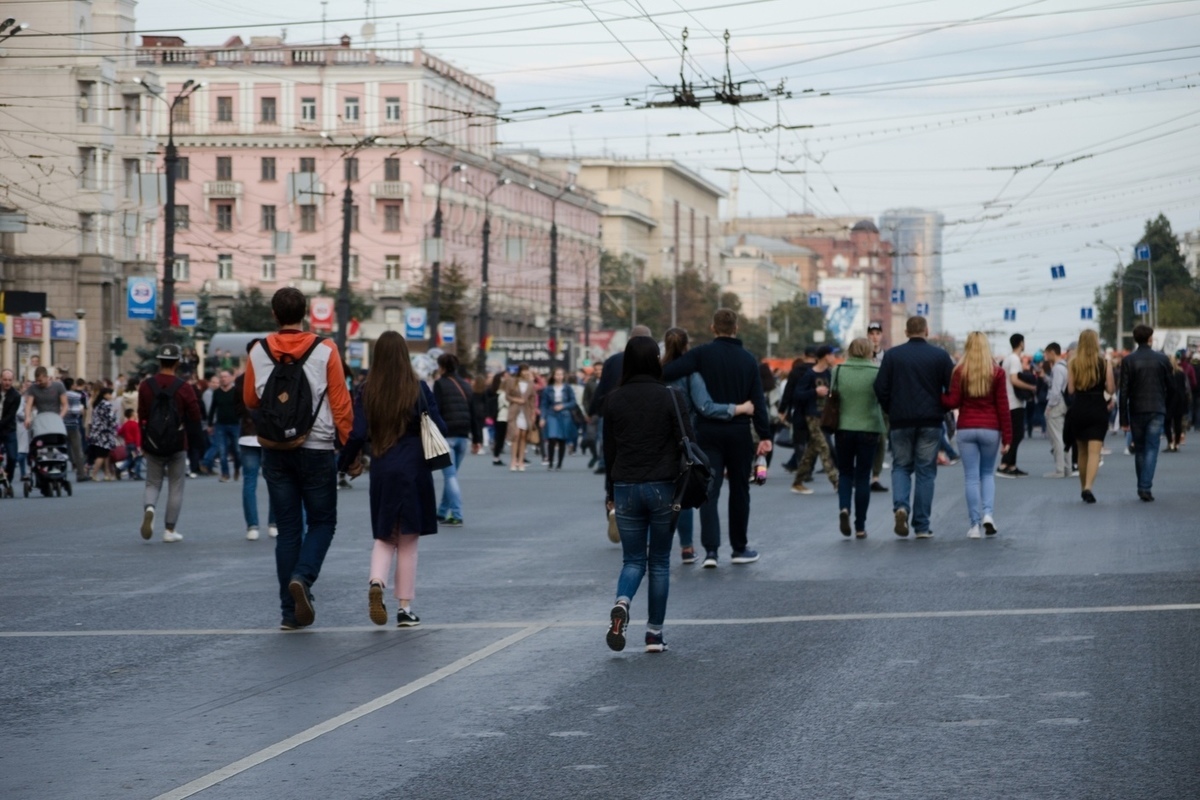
{"x":732,"y":376}
{"x":1016,"y":406}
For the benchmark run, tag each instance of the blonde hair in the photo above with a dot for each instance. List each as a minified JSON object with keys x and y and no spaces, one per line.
{"x":1086,"y":368}
{"x":859,"y":348}
{"x":977,"y":369}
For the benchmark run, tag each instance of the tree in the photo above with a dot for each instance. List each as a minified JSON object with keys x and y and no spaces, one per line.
{"x":1177,"y":293}
{"x":251,"y":312}
{"x":794,"y":321}
{"x":452,"y":295}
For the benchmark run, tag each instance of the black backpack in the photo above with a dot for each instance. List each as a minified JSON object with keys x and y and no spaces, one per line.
{"x":287,"y":411}
{"x":162,"y":434}
{"x":695,"y":480}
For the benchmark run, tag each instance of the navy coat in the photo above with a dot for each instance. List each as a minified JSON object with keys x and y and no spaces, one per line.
{"x":559,"y":424}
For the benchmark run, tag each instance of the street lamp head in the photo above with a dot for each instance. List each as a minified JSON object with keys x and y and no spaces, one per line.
{"x":505,"y":181}
{"x":459,"y":168}
{"x":188,"y":84}
{"x":80,"y":313}
{"x":5,"y":25}
{"x":324,"y":134}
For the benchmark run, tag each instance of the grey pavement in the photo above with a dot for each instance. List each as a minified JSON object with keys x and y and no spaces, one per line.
{"x":1059,"y":660}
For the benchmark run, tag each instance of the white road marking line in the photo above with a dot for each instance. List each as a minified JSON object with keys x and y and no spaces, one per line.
{"x":329,"y":725}
{"x":591,"y":623}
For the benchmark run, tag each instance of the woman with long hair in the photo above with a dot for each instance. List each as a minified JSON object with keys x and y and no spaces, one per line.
{"x":521,"y":390}
{"x":1177,"y":409}
{"x":102,"y":436}
{"x":387,"y":414}
{"x":860,"y":424}
{"x":558,"y":398}
{"x":497,"y":400}
{"x":1089,"y":376}
{"x":642,"y":436}
{"x":697,"y":402}
{"x":979,"y":390}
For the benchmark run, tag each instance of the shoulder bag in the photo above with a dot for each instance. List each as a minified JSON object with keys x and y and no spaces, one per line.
{"x":831,"y":415}
{"x":437,"y":452}
{"x":694,"y":483}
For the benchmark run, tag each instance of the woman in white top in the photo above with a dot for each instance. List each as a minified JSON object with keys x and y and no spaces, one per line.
{"x":522,"y":413}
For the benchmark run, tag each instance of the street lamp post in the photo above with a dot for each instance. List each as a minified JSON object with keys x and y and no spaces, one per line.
{"x":435,"y":269}
{"x":343,"y":298}
{"x":172,"y":167}
{"x":554,"y":356}
{"x":481,"y":358}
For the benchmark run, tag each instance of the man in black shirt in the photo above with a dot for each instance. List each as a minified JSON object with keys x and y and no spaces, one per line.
{"x":224,"y":424}
{"x":731,"y":375}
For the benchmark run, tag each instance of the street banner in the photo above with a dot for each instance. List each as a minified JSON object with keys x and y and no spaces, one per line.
{"x":142,"y":298}
{"x":26,"y":327}
{"x":64,"y":330}
{"x":320,"y":314}
{"x":414,"y":323}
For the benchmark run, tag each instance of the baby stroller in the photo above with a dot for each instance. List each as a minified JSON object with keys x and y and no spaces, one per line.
{"x":48,"y":457}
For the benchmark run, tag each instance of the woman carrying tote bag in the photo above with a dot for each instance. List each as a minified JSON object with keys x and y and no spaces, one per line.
{"x":387,"y":414}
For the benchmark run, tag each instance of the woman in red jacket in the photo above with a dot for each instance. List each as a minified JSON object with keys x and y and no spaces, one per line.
{"x":979,"y":390}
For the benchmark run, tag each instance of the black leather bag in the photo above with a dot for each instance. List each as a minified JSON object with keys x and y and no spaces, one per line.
{"x":694,"y":483}
{"x":831,"y":415}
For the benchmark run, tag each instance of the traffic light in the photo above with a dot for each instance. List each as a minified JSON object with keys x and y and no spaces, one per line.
{"x":118,"y":346}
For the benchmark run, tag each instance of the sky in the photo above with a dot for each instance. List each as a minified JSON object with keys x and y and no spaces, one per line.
{"x":1046,"y":131}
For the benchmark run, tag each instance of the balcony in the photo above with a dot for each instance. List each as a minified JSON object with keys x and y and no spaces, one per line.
{"x":389,"y":289}
{"x":223,"y":189}
{"x":223,"y":287}
{"x":308,"y":287}
{"x":390,"y":190}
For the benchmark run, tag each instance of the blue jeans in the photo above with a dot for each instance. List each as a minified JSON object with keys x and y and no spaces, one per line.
{"x":644,"y":520}
{"x":9,"y":443}
{"x":686,"y":525}
{"x":914,"y":449}
{"x":301,"y":483}
{"x":251,"y":463}
{"x":945,"y":446}
{"x":980,"y":447}
{"x":855,"y":458}
{"x":225,"y":441}
{"x":1147,"y":429}
{"x":451,"y":492}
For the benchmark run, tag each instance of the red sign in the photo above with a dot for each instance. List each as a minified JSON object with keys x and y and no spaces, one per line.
{"x":26,"y":328}
{"x":320,"y":314}
{"x":354,"y":329}
{"x":599,"y":339}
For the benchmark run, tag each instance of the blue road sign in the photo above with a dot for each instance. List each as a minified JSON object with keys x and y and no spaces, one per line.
{"x":1058,"y":271}
{"x":1086,"y":313}
{"x":187,"y":313}
{"x":971,"y":290}
{"x":447,"y":330}
{"x":897,"y":295}
{"x":142,"y":298}
{"x":847,"y":302}
{"x":1141,"y":306}
{"x":1143,"y":252}
{"x":922,"y":309}
{"x":1010,"y":315}
{"x":64,"y":330}
{"x":414,"y":323}
{"x":814,"y":299}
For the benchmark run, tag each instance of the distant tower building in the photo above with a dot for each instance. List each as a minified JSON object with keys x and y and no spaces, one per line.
{"x":916,"y":237}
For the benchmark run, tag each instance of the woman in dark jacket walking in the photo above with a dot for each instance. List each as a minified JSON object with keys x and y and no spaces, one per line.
{"x":387,"y":413}
{"x":641,"y":450}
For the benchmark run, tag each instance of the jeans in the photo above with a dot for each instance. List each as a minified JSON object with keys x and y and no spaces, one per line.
{"x":945,"y":446}
{"x":451,"y":492}
{"x":914,"y":449}
{"x":1056,"y":418}
{"x":225,"y":439}
{"x":251,"y":464}
{"x":686,"y":525}
{"x":856,"y":457}
{"x":729,"y":449}
{"x":644,"y":520}
{"x":1147,"y":430}
{"x":979,"y":446}
{"x":302,"y":483}
{"x":1018,"y":432}
{"x":9,"y":442}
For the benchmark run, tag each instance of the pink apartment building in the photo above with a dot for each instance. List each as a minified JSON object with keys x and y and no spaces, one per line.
{"x":264,"y":148}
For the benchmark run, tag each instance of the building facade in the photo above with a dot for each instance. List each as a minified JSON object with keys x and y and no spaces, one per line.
{"x":915,"y":236}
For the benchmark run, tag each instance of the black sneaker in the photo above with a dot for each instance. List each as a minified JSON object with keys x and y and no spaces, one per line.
{"x":844,"y":522}
{"x":290,"y":624}
{"x":688,"y":555}
{"x":655,"y":643}
{"x":305,"y":613}
{"x":1018,"y":473}
{"x":618,"y":621}
{"x":1145,"y":497}
{"x":375,"y":607}
{"x":710,"y":559}
{"x":1087,"y":496}
{"x":407,"y":619}
{"x":876,"y":486}
{"x":452,"y":522}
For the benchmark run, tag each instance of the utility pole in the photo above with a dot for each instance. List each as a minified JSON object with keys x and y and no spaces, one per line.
{"x":435,"y":269}
{"x":554,"y":273}
{"x":343,"y":297}
{"x":481,"y":357}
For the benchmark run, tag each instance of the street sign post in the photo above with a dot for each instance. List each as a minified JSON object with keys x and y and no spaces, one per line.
{"x":1143,"y":252}
{"x":1141,"y":306}
{"x":814,"y":299}
{"x":447,"y":331}
{"x":187,"y":313}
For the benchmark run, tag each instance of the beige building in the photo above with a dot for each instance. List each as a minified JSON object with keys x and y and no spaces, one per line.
{"x":792,"y":226}
{"x":758,"y":280}
{"x":76,"y":160}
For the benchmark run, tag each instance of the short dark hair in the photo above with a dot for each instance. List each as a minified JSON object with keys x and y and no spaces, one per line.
{"x":128,"y":413}
{"x":641,"y":358}
{"x":40,"y":372}
{"x":1016,"y":340}
{"x":1053,"y":347}
{"x":1142,"y":334}
{"x":448,"y":363}
{"x":916,"y":327}
{"x":288,"y":305}
{"x":68,"y":383}
{"x":725,"y":322}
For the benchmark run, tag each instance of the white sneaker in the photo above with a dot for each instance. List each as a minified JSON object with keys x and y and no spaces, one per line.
{"x":172,"y":536}
{"x":252,"y":534}
{"x":148,"y":522}
{"x":974,"y":533}
{"x":989,"y":525}
{"x":272,"y":531}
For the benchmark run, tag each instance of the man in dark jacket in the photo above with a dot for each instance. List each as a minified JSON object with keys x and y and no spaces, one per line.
{"x":453,"y":396}
{"x":10,"y":403}
{"x":610,"y":378}
{"x":732,"y":376}
{"x":808,"y":403}
{"x":1145,"y":397}
{"x":787,"y":405}
{"x":912,"y":379}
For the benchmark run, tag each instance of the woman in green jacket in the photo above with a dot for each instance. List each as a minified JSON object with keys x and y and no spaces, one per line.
{"x":857,"y":436}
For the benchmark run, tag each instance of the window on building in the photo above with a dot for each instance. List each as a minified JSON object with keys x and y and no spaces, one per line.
{"x":224,"y":266}
{"x":308,"y":217}
{"x":268,"y":268}
{"x":181,"y":111}
{"x":354,"y":218}
{"x":308,"y":110}
{"x":87,"y":169}
{"x":183,"y":169}
{"x":391,"y":109}
{"x":268,"y":218}
{"x":391,"y":268}
{"x":391,"y":218}
{"x":350,"y":111}
{"x":87,"y":101}
{"x":224,"y":216}
{"x":391,"y":316}
{"x":132,"y":169}
{"x":224,"y":109}
{"x":131,"y":113}
{"x":267,"y":109}
{"x":183,"y":217}
{"x":351,"y":169}
{"x":353,"y":267}
{"x":268,"y":169}
{"x":87,"y":233}
{"x":391,"y":169}
{"x":308,"y":268}
{"x":224,"y":168}
{"x":308,"y":165}
{"x":182,"y":267}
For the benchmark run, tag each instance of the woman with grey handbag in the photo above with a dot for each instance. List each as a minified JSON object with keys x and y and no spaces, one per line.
{"x":388,"y":414}
{"x":643,"y":431}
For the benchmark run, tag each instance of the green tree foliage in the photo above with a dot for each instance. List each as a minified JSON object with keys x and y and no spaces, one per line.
{"x":795,"y":323}
{"x":251,"y":312}
{"x":453,"y":288}
{"x":1178,"y":294}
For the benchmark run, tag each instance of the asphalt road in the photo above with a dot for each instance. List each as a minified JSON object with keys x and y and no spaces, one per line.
{"x":1059,"y":660}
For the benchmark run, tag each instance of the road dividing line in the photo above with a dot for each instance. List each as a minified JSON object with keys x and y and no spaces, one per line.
{"x":330,"y":725}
